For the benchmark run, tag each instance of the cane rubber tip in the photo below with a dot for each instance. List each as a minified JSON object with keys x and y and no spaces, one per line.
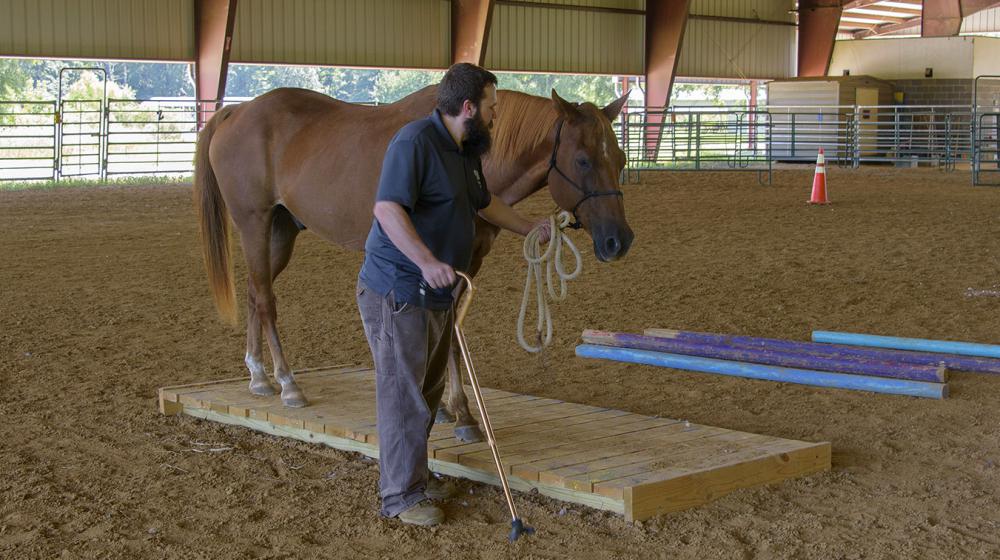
{"x":518,"y":528}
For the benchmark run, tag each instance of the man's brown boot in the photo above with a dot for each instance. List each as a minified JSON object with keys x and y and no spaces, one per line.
{"x":439,"y":489}
{"x":424,"y":514}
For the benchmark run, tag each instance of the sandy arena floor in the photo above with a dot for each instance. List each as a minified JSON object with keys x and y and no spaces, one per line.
{"x":105,"y":300}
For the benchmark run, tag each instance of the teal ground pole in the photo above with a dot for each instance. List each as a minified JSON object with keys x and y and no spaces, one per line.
{"x":917,"y":344}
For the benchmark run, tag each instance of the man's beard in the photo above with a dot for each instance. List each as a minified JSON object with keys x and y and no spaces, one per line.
{"x":477,"y":136}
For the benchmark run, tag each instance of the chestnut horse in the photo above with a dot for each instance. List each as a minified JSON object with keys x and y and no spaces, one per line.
{"x":295,"y":159}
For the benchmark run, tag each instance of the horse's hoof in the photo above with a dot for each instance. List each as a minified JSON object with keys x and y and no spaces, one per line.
{"x":262,"y":389}
{"x":292,"y":396}
{"x":469,"y":434}
{"x":444,"y":417}
{"x":296,"y":401}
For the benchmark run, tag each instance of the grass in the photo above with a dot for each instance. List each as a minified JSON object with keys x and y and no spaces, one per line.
{"x":82,"y":183}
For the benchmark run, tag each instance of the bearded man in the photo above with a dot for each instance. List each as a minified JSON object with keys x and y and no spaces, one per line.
{"x":430,"y":190}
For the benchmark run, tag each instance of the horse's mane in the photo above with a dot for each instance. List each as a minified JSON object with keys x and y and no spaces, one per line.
{"x":523,"y":122}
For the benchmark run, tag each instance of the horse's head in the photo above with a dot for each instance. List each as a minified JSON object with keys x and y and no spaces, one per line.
{"x":583,"y":173}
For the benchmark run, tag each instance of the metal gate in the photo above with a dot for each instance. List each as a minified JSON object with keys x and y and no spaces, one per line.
{"x":27,"y":140}
{"x":698,"y":139}
{"x":81,"y":131}
{"x":985,"y":118}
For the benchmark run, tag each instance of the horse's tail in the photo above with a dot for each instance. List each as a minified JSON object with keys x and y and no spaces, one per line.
{"x":213,"y":219}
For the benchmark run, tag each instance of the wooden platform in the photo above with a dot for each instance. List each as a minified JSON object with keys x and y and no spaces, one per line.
{"x":635,"y":465}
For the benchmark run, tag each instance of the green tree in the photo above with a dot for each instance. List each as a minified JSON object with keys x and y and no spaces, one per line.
{"x":14,"y":80}
{"x":599,"y":90}
{"x":245,"y":80}
{"x":349,"y":84}
{"x":153,"y":79}
{"x":90,"y":86}
{"x":392,"y":85}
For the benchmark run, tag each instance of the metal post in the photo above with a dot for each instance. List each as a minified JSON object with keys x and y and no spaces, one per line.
{"x":857,"y":139}
{"x":697,"y":153}
{"x":792,"y":152}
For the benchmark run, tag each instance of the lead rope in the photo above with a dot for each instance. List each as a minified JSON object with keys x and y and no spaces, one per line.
{"x":552,"y":259}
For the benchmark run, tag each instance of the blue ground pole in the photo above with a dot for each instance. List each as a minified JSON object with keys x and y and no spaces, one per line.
{"x":768,"y":373}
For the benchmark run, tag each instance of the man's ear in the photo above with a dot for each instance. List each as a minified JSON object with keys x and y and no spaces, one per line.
{"x":468,"y":108}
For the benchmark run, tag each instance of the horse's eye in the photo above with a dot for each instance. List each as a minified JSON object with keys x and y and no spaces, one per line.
{"x":583,"y":162}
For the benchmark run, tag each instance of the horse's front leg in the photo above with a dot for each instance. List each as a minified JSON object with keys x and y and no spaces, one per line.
{"x":466,"y":427}
{"x":457,"y":409}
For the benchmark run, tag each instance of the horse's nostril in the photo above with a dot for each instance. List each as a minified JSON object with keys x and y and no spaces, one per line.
{"x":612,"y":245}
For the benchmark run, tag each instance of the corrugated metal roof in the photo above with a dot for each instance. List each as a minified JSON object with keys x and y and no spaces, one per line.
{"x":393,"y":33}
{"x":538,"y":39}
{"x":408,"y":34}
{"x":986,"y":21}
{"x":98,"y":29}
{"x":768,"y":10}
{"x":622,"y":4}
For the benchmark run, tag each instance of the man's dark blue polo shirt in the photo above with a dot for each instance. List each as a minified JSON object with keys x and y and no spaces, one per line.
{"x":441,"y":189}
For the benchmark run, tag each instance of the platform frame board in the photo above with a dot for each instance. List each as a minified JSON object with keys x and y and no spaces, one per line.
{"x":638,"y":466}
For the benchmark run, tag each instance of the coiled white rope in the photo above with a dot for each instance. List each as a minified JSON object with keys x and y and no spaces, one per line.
{"x":552,"y":259}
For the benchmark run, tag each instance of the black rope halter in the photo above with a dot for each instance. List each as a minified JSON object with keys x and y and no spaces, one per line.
{"x":586,"y":194}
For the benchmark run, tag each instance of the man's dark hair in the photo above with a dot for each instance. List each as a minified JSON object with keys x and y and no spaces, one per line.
{"x":462,"y":81}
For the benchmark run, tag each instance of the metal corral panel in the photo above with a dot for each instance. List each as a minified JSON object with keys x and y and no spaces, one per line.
{"x":101,"y":29}
{"x":727,"y":49}
{"x":393,"y":33}
{"x":801,"y":93}
{"x":539,"y":39}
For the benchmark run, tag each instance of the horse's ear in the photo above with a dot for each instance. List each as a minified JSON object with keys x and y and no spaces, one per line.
{"x":615,"y":107}
{"x":565,"y":108}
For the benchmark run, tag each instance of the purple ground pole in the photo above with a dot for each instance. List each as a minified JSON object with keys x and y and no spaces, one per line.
{"x":766,"y":356}
{"x":950,"y":361}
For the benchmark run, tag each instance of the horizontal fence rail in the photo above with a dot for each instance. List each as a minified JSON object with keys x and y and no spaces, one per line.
{"x":27,"y":140}
{"x":698,"y":140}
{"x":151,"y":137}
{"x":41,"y":140}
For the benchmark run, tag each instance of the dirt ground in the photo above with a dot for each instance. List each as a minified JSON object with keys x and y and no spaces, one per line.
{"x":105,"y":300}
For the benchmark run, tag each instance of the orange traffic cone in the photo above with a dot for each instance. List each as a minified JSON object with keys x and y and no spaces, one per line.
{"x":819,"y":181}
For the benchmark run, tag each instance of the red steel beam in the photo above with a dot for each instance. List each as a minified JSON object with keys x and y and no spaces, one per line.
{"x":941,"y":18}
{"x":470,"y":30}
{"x":665,"y":24}
{"x":213,"y":30}
{"x":818,"y":23}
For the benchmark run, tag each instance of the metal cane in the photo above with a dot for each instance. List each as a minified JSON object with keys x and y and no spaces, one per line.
{"x":517,"y":526}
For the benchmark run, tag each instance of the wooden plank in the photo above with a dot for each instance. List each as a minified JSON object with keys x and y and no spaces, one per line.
{"x":178,"y":389}
{"x":585,"y":475}
{"x":450,"y":469}
{"x":693,"y":489}
{"x":529,"y":418}
{"x":581,"y":453}
{"x":635,"y":464}
{"x":609,"y":448}
{"x":513,"y":443}
{"x":443,"y":436}
{"x":169,"y":407}
{"x":514,"y":457}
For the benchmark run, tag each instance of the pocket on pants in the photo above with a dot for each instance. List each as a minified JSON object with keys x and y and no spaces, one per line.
{"x":370,"y":307}
{"x":399,"y":307}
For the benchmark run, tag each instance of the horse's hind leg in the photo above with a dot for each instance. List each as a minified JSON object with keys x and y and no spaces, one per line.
{"x":254,"y":359}
{"x":258,"y":236}
{"x":283,"y":234}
